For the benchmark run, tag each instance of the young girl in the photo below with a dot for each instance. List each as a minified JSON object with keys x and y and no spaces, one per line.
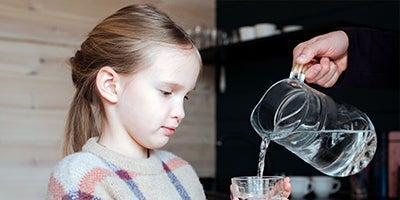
{"x":132,"y":76}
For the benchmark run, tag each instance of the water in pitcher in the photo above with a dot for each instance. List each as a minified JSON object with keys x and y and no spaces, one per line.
{"x":331,"y":152}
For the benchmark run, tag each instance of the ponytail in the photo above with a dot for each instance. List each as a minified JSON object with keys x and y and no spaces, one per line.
{"x":81,"y":122}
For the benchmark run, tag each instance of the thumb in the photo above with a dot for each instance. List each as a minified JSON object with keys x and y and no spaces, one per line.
{"x":310,"y":51}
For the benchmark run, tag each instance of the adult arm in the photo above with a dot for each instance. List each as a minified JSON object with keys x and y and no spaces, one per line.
{"x":373,"y":59}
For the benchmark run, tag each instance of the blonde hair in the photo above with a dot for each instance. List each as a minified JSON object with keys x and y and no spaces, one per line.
{"x":120,"y":41}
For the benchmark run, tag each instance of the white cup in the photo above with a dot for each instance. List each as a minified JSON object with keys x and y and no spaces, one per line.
{"x":265,"y":29}
{"x":301,"y":186}
{"x":247,"y":33}
{"x":323,"y":186}
{"x":290,"y":28}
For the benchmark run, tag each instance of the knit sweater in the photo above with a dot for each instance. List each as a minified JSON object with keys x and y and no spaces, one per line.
{"x":99,"y":173}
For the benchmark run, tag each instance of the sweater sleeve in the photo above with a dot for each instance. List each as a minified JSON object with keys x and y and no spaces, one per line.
{"x":373,"y":59}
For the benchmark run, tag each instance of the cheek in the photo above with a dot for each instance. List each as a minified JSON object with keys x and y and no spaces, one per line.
{"x":135,"y":104}
{"x":136,"y":115}
{"x":141,"y":105}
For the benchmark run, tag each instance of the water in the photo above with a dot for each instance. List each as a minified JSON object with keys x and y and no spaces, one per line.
{"x":334,"y":153}
{"x":261,"y":160}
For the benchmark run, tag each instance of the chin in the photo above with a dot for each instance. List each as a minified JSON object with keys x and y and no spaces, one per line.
{"x":159,"y":144}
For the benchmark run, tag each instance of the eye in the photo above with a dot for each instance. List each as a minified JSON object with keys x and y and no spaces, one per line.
{"x":165,"y":93}
{"x":187,"y":96}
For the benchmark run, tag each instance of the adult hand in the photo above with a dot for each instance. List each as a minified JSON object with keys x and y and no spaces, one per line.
{"x":330,"y":52}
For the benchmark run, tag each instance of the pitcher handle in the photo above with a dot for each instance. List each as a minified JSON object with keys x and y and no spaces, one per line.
{"x":299,"y":70}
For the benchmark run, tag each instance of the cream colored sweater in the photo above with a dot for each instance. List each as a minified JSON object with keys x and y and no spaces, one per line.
{"x":99,"y":173}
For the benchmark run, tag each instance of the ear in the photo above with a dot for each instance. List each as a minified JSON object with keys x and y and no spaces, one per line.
{"x":107,"y":82}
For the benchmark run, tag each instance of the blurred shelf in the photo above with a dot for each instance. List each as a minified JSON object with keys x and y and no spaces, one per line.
{"x":262,"y":48}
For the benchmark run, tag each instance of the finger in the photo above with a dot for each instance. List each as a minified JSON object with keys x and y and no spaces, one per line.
{"x":338,"y":71}
{"x":330,"y":78}
{"x":309,"y":50}
{"x":318,"y":71}
{"x":234,"y":198}
{"x":313,"y":72}
{"x":287,"y":189}
{"x":299,"y":49}
{"x":299,"y":56}
{"x":333,"y":80}
{"x":230,"y":187}
{"x":286,"y":179}
{"x":231,"y":195}
{"x":283,"y":186}
{"x":286,"y":194}
{"x":323,"y":80}
{"x":325,"y":63}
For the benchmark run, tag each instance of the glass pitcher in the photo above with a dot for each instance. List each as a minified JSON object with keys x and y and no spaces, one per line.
{"x":335,"y":138}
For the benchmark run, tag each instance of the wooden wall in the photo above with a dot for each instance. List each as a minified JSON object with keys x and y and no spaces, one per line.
{"x":36,"y":39}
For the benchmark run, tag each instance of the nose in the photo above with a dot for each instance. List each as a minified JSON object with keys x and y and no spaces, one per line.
{"x":178,"y":112}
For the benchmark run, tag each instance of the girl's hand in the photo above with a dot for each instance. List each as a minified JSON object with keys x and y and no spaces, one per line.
{"x":287,"y":188}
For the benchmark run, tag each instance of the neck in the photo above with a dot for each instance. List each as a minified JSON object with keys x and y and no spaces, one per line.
{"x":125,"y":147}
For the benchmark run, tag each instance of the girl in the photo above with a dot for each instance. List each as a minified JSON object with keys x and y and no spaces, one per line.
{"x":132,"y":76}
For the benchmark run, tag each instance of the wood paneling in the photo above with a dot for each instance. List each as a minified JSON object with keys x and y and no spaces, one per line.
{"x":36,"y":39}
{"x":67,"y":22}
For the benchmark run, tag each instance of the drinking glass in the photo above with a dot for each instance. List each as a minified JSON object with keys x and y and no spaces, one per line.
{"x":257,"y":188}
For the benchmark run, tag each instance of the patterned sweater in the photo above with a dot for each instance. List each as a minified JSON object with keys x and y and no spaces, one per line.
{"x":99,"y":173}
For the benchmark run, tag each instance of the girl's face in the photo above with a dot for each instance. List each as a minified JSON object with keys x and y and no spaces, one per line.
{"x":151,"y":103}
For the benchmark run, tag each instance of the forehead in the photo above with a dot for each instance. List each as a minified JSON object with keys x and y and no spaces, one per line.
{"x":174,"y":59}
{"x":173,"y":64}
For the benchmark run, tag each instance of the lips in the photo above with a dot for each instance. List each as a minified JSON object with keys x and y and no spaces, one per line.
{"x":168,"y":130}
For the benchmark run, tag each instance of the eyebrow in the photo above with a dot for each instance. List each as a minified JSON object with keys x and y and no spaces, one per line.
{"x":176,"y":85}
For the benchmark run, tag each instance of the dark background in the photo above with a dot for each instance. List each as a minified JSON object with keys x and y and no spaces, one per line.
{"x":232,"y":14}
{"x":251,"y":67}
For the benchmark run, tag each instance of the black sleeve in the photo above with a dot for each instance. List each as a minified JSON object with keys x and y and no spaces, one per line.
{"x":373,"y":59}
